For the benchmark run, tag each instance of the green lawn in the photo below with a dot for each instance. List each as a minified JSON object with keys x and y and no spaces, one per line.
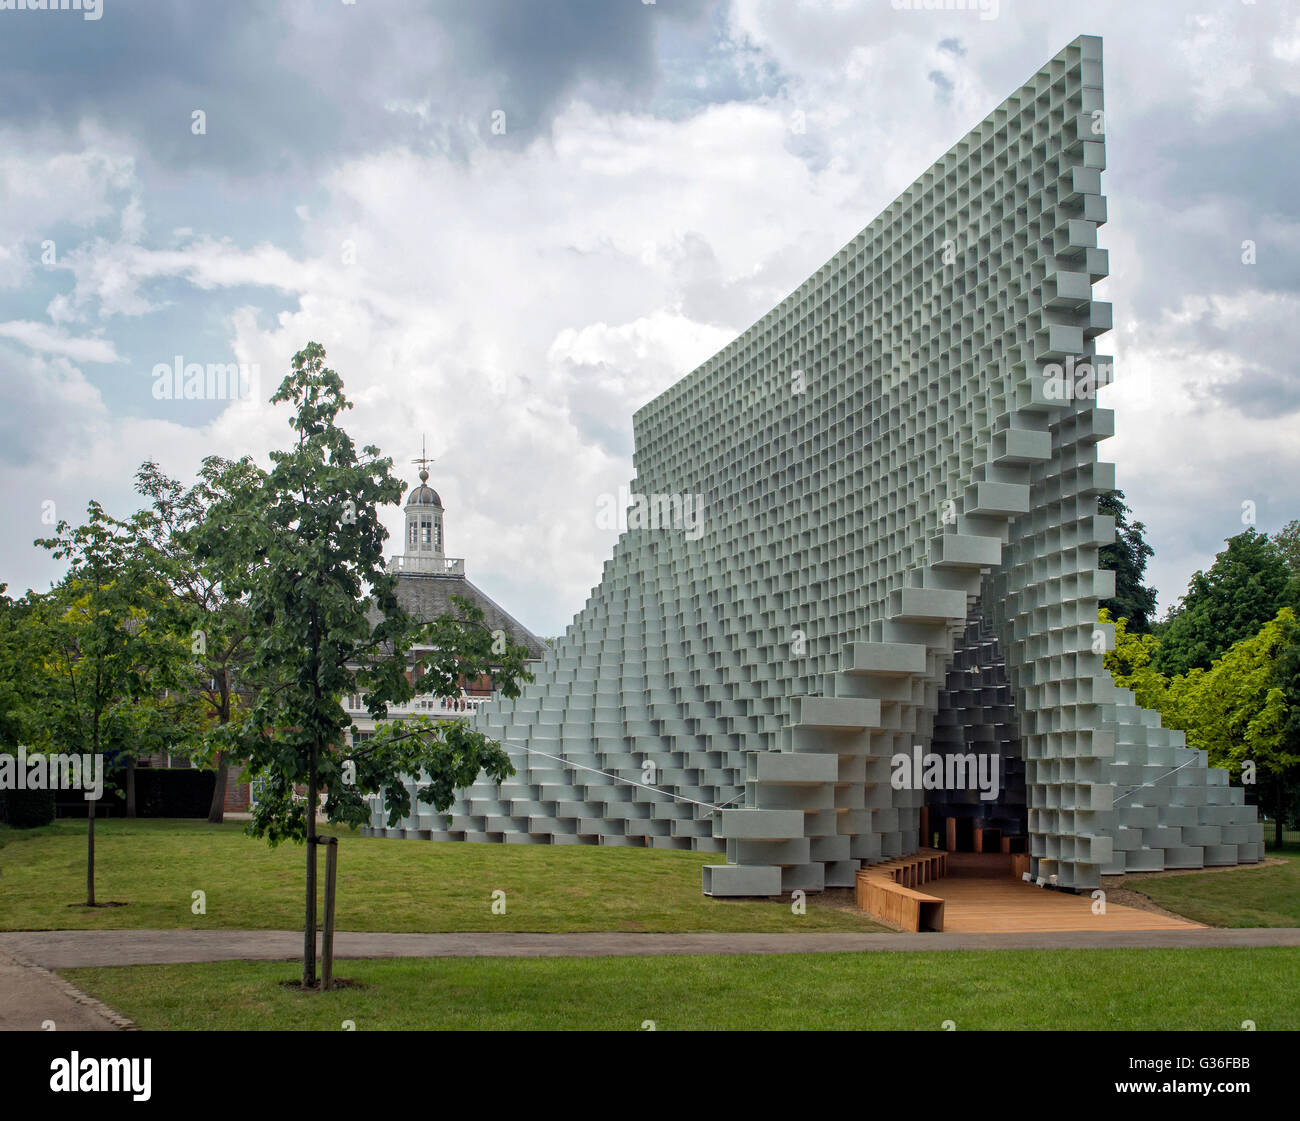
{"x":155,"y":866}
{"x":384,"y":884}
{"x":1211,"y":989}
{"x":1248,"y":897}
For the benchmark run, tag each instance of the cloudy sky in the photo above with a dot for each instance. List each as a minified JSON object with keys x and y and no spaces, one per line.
{"x":513,"y":222}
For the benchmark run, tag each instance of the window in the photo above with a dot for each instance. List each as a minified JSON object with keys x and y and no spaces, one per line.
{"x":426,"y":533}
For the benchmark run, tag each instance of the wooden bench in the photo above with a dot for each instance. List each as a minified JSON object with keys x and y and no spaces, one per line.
{"x":879,"y":896}
{"x":916,"y":868}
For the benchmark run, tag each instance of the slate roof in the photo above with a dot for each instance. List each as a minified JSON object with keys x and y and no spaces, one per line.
{"x":426,"y":597}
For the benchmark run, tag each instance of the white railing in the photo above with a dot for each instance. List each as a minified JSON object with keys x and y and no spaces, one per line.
{"x":414,"y":564}
{"x":425,"y":705}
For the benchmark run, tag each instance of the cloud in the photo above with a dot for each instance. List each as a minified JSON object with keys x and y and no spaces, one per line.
{"x":60,"y":447}
{"x":1205,"y":421}
{"x":113,"y":276}
{"x":50,"y":340}
{"x":47,"y":188}
{"x":604,"y":373}
{"x":290,"y":87}
{"x":667,"y":174}
{"x":47,"y":410}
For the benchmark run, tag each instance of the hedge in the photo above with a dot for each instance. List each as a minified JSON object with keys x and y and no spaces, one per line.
{"x":26,"y":809}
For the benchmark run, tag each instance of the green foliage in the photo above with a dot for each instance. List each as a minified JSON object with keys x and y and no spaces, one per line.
{"x":106,"y":672}
{"x":302,"y":547}
{"x":1245,"y":587}
{"x":172,"y":534}
{"x":1287,"y":540}
{"x":1130,"y":664}
{"x":15,"y":668}
{"x":99,"y":644}
{"x":1286,"y":802}
{"x":457,"y":647}
{"x":1127,"y":558}
{"x":1244,"y":707}
{"x":1236,"y":710}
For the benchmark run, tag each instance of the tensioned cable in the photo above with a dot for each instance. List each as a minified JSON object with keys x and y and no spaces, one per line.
{"x":616,"y":778}
{"x":1135,"y":789}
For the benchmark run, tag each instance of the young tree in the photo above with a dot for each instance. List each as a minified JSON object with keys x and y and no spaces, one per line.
{"x":171,"y":533}
{"x":1127,"y":558}
{"x":1245,"y":587}
{"x":325,"y":622}
{"x":102,"y":646}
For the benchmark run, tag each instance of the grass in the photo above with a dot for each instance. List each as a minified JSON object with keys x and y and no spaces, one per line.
{"x":384,"y":884}
{"x":1245,"y":897}
{"x":154,"y":866}
{"x":1204,"y":989}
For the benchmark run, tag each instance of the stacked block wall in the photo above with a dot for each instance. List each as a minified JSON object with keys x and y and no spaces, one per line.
{"x":876,"y":454}
{"x":977,"y":713}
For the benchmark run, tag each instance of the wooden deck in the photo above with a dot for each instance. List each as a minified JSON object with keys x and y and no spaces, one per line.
{"x":981,"y":893}
{"x":978,"y":905}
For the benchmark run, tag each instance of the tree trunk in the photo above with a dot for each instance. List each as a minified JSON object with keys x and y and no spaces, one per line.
{"x":309,"y":924}
{"x":217,"y":811}
{"x":1277,"y":817}
{"x":130,"y":787}
{"x":90,"y":823}
{"x":90,"y":854}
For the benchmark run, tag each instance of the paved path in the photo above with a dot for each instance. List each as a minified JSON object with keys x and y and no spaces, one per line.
{"x":69,"y":949}
{"x":34,"y":999}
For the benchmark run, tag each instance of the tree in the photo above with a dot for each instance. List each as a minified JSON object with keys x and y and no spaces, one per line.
{"x":26,"y":807}
{"x":1287,"y":540}
{"x":1287,"y":794}
{"x":325,"y":622}
{"x":1245,"y":587}
{"x":171,"y":533}
{"x":1130,"y":664}
{"x":14,"y":667}
{"x":1127,"y":558}
{"x":100,"y":646}
{"x":1242,"y":711}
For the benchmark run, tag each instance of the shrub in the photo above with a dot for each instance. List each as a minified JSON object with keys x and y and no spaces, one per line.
{"x":27,"y":809}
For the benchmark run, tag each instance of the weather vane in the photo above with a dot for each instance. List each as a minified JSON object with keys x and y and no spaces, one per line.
{"x":424,"y":462}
